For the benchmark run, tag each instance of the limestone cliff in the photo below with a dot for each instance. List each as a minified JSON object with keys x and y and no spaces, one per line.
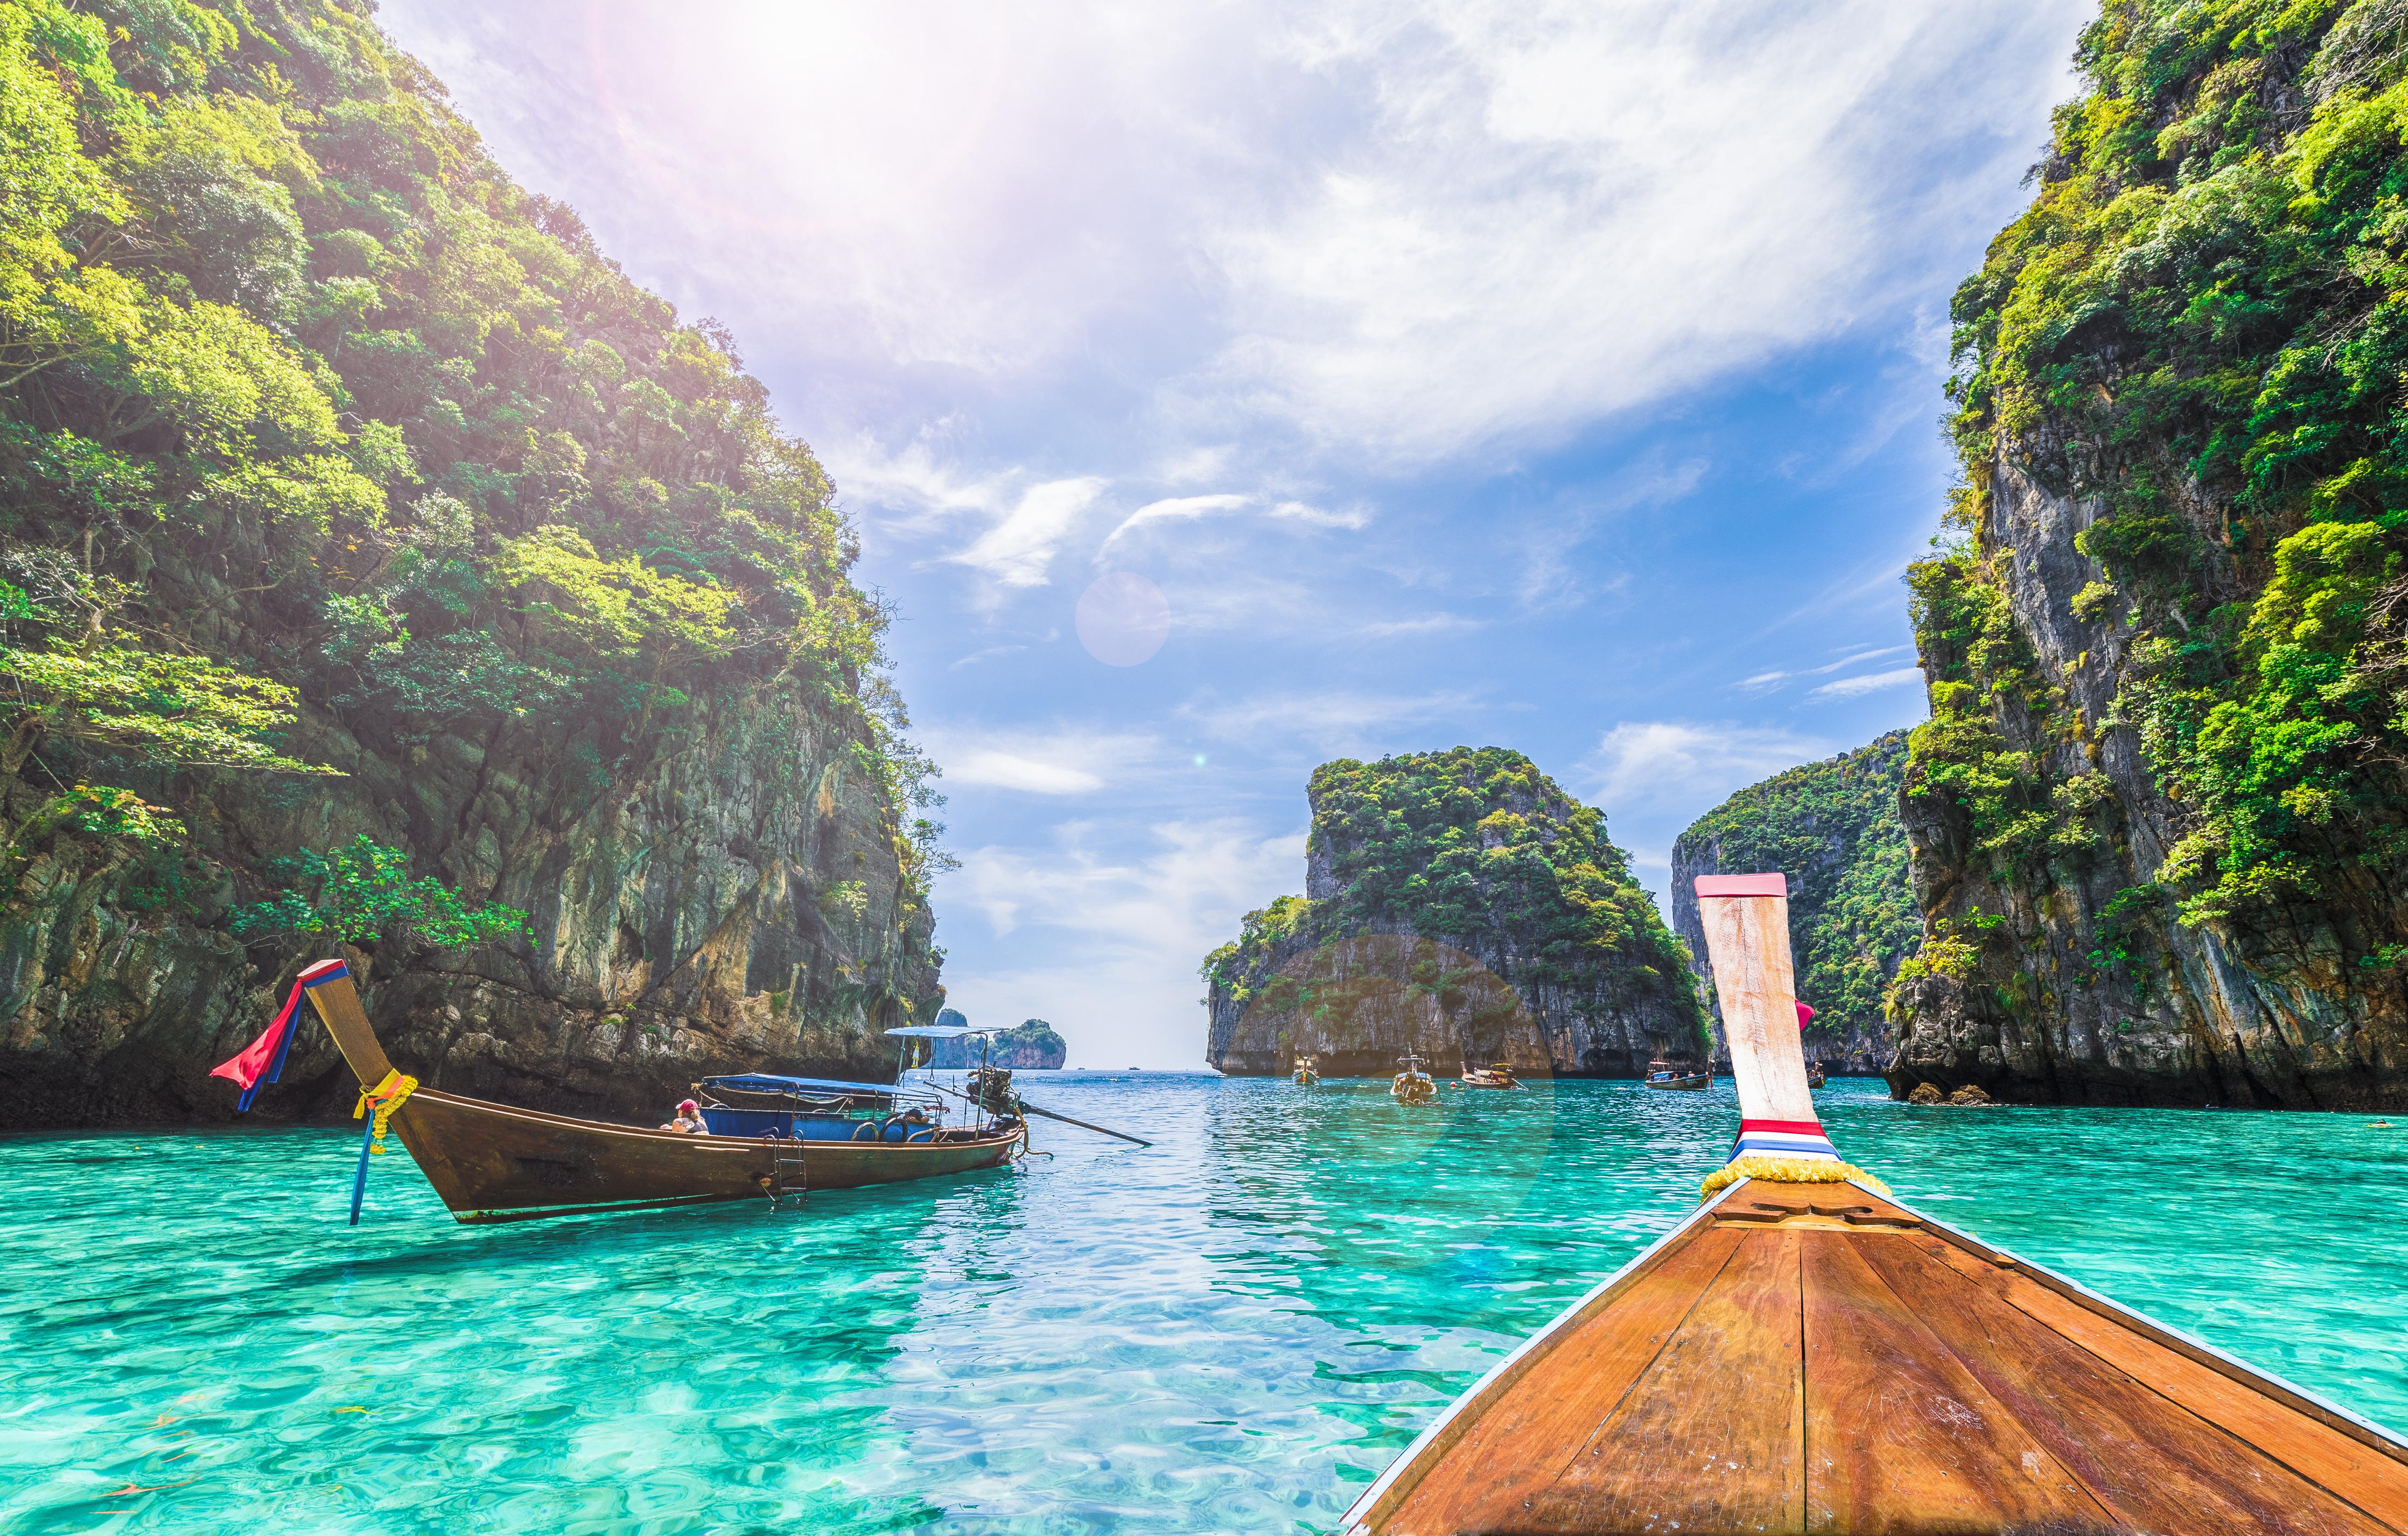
{"x":2158,"y":818}
{"x":1833,"y":828}
{"x":1461,"y":905}
{"x":375,"y":503}
{"x":734,"y":904}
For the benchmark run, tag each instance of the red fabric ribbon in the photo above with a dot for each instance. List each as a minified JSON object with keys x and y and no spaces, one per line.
{"x":263,"y":1059}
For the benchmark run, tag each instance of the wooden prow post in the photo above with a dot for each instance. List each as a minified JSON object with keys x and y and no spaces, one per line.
{"x":329,"y":985}
{"x":1746,"y":920}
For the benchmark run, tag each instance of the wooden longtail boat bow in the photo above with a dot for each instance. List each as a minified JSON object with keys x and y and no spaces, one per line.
{"x":492,"y":1162}
{"x":1805,"y":1353}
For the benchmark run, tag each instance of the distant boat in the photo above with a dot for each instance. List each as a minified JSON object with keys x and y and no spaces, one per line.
{"x":492,"y":1162}
{"x":1663,"y":1074}
{"x":1308,"y":1071}
{"x":1815,"y":1078}
{"x":1804,"y":1353}
{"x":1413,"y":1085}
{"x":1498,"y":1076}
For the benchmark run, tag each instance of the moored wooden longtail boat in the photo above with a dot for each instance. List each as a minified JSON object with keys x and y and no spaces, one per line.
{"x":491,"y":1162}
{"x":1804,"y":1354}
{"x":1663,"y":1074}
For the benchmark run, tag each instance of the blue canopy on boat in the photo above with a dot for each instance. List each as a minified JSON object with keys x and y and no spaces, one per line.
{"x":763,"y":1082}
{"x":939,"y":1031}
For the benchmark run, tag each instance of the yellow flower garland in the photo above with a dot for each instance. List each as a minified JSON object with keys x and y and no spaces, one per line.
{"x":1772,"y":1169}
{"x":384,"y":1098}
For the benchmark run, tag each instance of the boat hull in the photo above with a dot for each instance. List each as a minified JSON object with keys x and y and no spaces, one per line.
{"x":492,"y":1163}
{"x":1690,"y":1084}
{"x":1818,"y":1358}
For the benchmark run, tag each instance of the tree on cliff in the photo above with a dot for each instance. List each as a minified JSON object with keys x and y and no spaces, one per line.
{"x":267,"y":311}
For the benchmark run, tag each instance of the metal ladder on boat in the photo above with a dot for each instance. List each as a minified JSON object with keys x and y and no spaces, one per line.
{"x":788,"y":1175}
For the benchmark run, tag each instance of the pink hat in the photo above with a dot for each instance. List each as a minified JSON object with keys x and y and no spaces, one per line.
{"x":685,"y":1104}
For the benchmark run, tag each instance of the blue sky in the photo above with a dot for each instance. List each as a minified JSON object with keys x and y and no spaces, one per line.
{"x":1226,"y":388}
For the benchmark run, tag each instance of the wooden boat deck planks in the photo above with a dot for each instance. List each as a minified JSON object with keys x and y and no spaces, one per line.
{"x":1899,"y":1428}
{"x":1586,"y":1376}
{"x":1863,"y":1372}
{"x":2301,"y":1435}
{"x":1803,"y":1356}
{"x":1722,"y":1403}
{"x":2145,"y":1458}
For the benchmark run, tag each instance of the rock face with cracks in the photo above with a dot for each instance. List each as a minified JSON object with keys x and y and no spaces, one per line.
{"x":734,"y":905}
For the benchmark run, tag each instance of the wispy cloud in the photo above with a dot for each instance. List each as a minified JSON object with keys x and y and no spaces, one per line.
{"x":1399,"y":229}
{"x":1694,"y":763}
{"x":1174,"y":510}
{"x":1552,"y":575}
{"x":1017,"y":552}
{"x":990,"y":652}
{"x":1351,"y":517}
{"x":1557,"y":211}
{"x":1763,"y":681}
{"x":1007,"y":770}
{"x":913,"y":482}
{"x":1431,"y":623}
{"x":1872,"y":682}
{"x":1332,"y":720}
{"x":1069,"y":760}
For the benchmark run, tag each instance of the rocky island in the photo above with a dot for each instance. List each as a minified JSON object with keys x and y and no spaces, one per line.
{"x":383,"y":572}
{"x":2159,"y":821}
{"x":1833,"y":828}
{"x":1459,"y":904}
{"x":1031,"y":1045}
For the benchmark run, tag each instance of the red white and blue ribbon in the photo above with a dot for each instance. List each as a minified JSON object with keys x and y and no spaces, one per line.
{"x":262,"y":1061}
{"x":1781,"y":1138}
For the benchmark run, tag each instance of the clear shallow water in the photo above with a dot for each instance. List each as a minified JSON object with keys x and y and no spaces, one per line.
{"x":1233,"y":1331}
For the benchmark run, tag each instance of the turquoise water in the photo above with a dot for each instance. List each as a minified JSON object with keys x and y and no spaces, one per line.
{"x":1232,"y":1331}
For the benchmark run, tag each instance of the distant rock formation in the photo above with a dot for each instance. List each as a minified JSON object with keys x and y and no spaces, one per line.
{"x":1030,"y":1046}
{"x":1459,"y":904}
{"x":1833,"y":828}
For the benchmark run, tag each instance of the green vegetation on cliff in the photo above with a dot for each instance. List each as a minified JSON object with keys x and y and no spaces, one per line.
{"x":1833,"y":828}
{"x":1479,"y":849}
{"x":2202,"y":321}
{"x":309,"y":415}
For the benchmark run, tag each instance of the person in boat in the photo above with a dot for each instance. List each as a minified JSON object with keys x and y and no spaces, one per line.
{"x":689,"y":1119}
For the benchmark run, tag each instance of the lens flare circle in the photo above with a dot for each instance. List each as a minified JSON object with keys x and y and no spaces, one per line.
{"x":1122,"y":618}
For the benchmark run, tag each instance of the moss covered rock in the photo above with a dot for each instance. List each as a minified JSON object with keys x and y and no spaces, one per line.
{"x":1460,"y":904}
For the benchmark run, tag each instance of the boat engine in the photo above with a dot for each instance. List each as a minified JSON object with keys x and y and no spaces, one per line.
{"x":990,"y":1089}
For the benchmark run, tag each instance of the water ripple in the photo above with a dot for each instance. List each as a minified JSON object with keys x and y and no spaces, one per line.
{"x":1234,"y":1330}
